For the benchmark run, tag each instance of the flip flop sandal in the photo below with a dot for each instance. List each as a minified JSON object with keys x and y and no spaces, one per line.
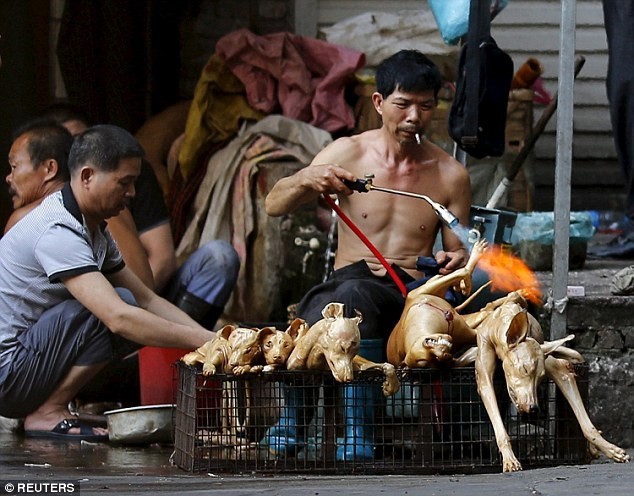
{"x":60,"y":431}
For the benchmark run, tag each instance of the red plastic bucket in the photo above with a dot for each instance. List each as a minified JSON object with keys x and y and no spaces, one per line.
{"x":156,"y":374}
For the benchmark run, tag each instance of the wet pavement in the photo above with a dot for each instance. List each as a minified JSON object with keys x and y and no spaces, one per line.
{"x":109,"y":469}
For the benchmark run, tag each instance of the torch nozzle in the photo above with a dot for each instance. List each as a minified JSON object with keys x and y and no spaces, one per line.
{"x":444,"y":214}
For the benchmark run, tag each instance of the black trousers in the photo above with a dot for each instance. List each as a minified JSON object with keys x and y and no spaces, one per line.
{"x":377,"y":298}
{"x":619,"y":26}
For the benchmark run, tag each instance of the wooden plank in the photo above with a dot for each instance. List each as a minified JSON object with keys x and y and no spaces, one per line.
{"x":542,"y":38}
{"x":585,"y":145}
{"x":584,"y":173}
{"x":527,"y":12}
{"x":590,"y":119}
{"x":333,"y":11}
{"x":587,"y":92}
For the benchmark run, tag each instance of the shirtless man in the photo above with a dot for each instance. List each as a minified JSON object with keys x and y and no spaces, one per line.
{"x":401,"y":228}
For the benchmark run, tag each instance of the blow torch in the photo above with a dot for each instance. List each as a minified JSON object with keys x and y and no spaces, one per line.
{"x":365,"y":185}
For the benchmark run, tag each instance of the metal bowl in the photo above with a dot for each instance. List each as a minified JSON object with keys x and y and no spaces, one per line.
{"x":141,"y":424}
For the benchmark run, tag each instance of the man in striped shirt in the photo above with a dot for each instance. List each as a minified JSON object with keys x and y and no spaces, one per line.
{"x":68,"y":303}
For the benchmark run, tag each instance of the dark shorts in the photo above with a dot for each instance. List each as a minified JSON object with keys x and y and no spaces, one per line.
{"x":377,"y":298}
{"x":66,"y":335}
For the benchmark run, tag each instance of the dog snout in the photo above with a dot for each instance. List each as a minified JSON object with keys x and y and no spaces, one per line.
{"x":533,"y":408}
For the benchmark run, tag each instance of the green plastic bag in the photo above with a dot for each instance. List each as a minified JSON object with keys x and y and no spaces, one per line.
{"x":540,"y":227}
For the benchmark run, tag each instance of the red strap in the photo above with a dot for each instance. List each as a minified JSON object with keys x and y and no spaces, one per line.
{"x":368,"y":243}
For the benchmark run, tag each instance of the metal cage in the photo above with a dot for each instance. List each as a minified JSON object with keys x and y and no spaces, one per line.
{"x":305,"y":422}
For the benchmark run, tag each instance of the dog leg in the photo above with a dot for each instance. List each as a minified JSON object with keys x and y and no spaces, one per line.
{"x":561,"y":373}
{"x":485,"y":368}
{"x":299,"y":356}
{"x":228,"y":434}
{"x":391,"y":384}
{"x":467,"y":358}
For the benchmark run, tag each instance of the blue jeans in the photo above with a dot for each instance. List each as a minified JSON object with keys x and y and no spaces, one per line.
{"x":210,"y":273}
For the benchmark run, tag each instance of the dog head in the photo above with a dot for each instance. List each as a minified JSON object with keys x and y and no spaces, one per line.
{"x":278,"y":345}
{"x":245,"y":347}
{"x":430,"y":350}
{"x":341,"y":340}
{"x":523,"y":357}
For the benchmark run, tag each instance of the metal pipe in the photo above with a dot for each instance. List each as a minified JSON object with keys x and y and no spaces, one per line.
{"x":365,"y":185}
{"x":441,"y":211}
{"x":563,"y":167}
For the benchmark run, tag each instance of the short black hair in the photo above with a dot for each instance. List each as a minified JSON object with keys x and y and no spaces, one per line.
{"x":103,"y":146}
{"x":47,"y":140}
{"x":407,"y":70}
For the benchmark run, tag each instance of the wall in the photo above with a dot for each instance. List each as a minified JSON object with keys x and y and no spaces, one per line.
{"x":531,"y":28}
{"x":203,"y":26}
{"x":604,"y":335}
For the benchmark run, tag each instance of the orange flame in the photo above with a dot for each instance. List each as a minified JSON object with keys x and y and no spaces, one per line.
{"x":509,"y":273}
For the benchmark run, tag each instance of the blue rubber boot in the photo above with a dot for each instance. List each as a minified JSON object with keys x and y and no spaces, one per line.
{"x":358,"y":445}
{"x":359,"y":401}
{"x":288,"y":435}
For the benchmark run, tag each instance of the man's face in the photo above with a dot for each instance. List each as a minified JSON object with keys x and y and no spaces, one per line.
{"x":111,"y":192}
{"x":406,"y":114}
{"x":26,"y":180}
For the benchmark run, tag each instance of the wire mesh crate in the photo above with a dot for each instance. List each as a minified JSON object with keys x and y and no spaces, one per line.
{"x":305,"y":422}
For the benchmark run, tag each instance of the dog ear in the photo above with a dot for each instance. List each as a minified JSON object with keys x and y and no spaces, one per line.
{"x":518,"y":329}
{"x":296,"y":329}
{"x":359,"y":316}
{"x":264,"y":333}
{"x":226,"y":331}
{"x":332,"y":311}
{"x":556,"y":348}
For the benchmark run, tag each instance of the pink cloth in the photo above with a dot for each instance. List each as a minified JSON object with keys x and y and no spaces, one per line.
{"x":304,"y":77}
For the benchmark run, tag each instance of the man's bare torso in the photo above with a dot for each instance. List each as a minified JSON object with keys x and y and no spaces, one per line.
{"x":401,"y":228}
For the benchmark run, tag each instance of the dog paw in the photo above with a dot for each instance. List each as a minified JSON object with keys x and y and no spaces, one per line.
{"x":479,"y":247}
{"x":512,"y":465}
{"x":391,"y":384}
{"x":209,"y":369}
{"x":241,"y":369}
{"x":615,"y":453}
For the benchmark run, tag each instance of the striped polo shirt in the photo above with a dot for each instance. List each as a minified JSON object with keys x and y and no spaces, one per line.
{"x":49,"y":244}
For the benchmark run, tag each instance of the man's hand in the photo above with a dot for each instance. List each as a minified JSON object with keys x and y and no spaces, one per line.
{"x":448,"y":261}
{"x":306,"y":185}
{"x":327,"y":178}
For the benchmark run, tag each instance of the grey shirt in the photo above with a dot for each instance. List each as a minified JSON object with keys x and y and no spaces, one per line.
{"x":49,"y":244}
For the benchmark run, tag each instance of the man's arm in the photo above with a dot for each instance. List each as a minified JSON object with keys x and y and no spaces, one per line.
{"x":159,"y":247}
{"x":321,"y":176}
{"x":454,"y":251}
{"x":155,"y":322}
{"x":124,"y":232}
